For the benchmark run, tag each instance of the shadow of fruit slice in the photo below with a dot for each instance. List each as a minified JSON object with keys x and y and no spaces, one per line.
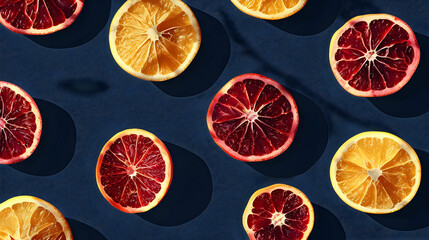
{"x":253,"y":118}
{"x":376,"y":172}
{"x":39,"y":17}
{"x":278,"y":212}
{"x":374,"y":55}
{"x":20,"y":124}
{"x":134,"y":171}
{"x":27,"y":217}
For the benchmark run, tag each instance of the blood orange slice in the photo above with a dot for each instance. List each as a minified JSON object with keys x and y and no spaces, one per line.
{"x":253,"y":118}
{"x":20,"y":124}
{"x":38,"y":17}
{"x":374,"y":55}
{"x":278,"y":212}
{"x":134,"y":171}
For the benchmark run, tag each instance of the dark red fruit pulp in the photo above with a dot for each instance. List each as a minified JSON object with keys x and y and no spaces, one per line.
{"x":132,"y":171}
{"x":17,"y":124}
{"x":278,"y":215}
{"x":374,"y":56}
{"x":253,"y":118}
{"x":42,"y":14}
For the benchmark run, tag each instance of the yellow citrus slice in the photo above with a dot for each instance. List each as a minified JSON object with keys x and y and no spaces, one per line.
{"x":376,"y":172}
{"x":27,"y":217}
{"x":269,"y":9}
{"x":154,"y":40}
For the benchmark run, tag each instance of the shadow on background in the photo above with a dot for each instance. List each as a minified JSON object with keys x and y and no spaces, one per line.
{"x":413,"y":99}
{"x":57,"y":143}
{"x":207,"y":65}
{"x":81,"y":231}
{"x":352,"y":8}
{"x":88,"y":24}
{"x":190,"y":191}
{"x":326,"y":225}
{"x":297,"y":159}
{"x":84,"y":86}
{"x":315,"y":17}
{"x":415,"y":214}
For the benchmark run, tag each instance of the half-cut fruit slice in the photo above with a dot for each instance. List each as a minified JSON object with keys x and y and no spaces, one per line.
{"x":38,"y":17}
{"x":278,"y":212}
{"x":27,"y":217}
{"x":253,"y":118}
{"x":134,"y":171}
{"x":20,"y":124}
{"x":376,"y":172}
{"x":271,"y":9}
{"x":374,"y":55}
{"x":154,"y":40}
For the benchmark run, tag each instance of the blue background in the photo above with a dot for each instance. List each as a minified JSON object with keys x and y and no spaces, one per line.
{"x":85,"y":98}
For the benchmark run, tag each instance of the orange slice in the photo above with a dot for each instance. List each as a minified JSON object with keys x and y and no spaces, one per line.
{"x":154,"y":40}
{"x":376,"y":172}
{"x":278,"y":212}
{"x":134,"y":171}
{"x":27,"y":217}
{"x":269,"y":9}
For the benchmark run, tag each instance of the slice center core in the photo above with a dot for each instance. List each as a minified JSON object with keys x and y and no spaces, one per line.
{"x":131,"y":171}
{"x":251,"y":116}
{"x":153,"y":34}
{"x":370,"y":55}
{"x":277,"y":218}
{"x":374,"y":173}
{"x":2,"y":123}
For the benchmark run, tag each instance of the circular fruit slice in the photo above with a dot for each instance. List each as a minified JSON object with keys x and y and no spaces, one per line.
{"x":253,"y":118}
{"x":278,"y":212}
{"x":374,"y":55}
{"x":376,"y":172}
{"x":27,"y":217}
{"x":270,"y":10}
{"x":20,"y":124}
{"x":134,"y":171}
{"x":38,"y":17}
{"x":154,"y":40}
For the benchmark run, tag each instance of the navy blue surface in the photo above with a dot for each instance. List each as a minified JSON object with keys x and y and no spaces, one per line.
{"x":85,"y":98}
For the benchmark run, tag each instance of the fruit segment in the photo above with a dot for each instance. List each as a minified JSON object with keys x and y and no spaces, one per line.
{"x":377,"y":174}
{"x":253,"y":117}
{"x":269,"y":9}
{"x":38,"y":16}
{"x":20,"y":124}
{"x":278,"y":212}
{"x":374,"y":55}
{"x":134,"y":171}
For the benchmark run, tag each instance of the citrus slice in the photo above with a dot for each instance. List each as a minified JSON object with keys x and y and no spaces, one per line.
{"x":134,"y":171}
{"x":38,"y":17}
{"x":374,"y":55}
{"x":376,"y":172}
{"x":154,"y":40}
{"x":27,"y":217}
{"x":20,"y":124}
{"x":278,"y":212}
{"x":269,"y":9}
{"x":253,"y":118}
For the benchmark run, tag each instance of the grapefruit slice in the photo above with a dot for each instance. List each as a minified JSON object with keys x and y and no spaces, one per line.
{"x":253,"y":118}
{"x":20,"y":124}
{"x":269,"y":9}
{"x":376,"y":172}
{"x":374,"y":55}
{"x":27,"y":217}
{"x":134,"y":171}
{"x":154,"y":40}
{"x":38,"y":17}
{"x":278,"y":212}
